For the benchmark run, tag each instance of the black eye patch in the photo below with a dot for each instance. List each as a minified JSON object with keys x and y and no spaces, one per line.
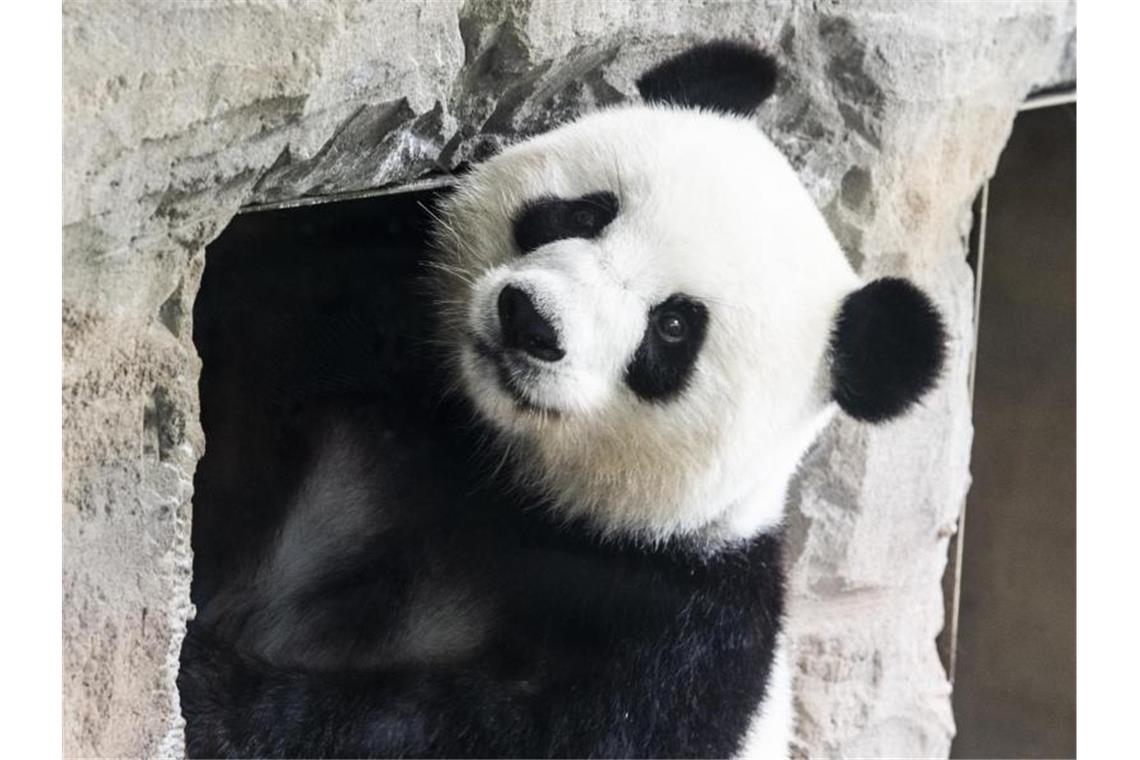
{"x":544,"y":220}
{"x":663,"y":364}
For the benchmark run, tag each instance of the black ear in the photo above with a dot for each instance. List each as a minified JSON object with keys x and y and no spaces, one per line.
{"x":887,"y":348}
{"x":721,"y":76}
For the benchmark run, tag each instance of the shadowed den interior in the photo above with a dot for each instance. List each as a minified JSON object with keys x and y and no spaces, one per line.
{"x":1015,"y":682}
{"x":301,"y":312}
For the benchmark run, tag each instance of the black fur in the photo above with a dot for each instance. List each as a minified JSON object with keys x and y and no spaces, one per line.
{"x":596,"y":648}
{"x":547,"y":219}
{"x":661,"y":368}
{"x":724,"y":76}
{"x":887,"y":349}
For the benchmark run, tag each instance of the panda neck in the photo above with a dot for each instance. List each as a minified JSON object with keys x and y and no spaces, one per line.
{"x":761,"y":508}
{"x":759,"y":512}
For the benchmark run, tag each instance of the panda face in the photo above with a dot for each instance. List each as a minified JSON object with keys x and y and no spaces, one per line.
{"x":641,"y":302}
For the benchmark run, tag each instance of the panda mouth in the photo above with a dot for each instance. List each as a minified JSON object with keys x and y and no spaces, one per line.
{"x":511,"y":376}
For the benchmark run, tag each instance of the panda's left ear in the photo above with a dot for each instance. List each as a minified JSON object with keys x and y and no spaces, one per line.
{"x":888,"y":344}
{"x":721,"y":76}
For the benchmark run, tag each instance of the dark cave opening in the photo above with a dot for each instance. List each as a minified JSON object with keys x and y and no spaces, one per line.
{"x":301,"y":311}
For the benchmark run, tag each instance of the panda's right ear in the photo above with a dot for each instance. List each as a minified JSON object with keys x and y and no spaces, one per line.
{"x":724,"y":76}
{"x":888,"y":345}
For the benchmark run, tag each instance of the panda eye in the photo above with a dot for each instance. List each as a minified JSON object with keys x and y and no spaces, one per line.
{"x":584,"y":219}
{"x":666,"y":358}
{"x":547,"y":219}
{"x":671,"y":326}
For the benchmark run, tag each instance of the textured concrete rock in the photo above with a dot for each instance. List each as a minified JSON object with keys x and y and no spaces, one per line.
{"x":176,"y":114}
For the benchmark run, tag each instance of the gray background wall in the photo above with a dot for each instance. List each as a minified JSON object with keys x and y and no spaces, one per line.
{"x":176,"y":114}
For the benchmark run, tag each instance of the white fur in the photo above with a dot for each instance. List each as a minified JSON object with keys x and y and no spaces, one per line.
{"x":770,"y":735}
{"x":708,"y":208}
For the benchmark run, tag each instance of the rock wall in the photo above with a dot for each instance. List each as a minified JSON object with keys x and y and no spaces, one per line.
{"x":176,"y":114}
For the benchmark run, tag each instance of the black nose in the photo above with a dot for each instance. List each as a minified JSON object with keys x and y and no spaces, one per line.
{"x":524,"y":328}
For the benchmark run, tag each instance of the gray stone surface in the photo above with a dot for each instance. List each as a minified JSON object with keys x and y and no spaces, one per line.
{"x":176,"y":114}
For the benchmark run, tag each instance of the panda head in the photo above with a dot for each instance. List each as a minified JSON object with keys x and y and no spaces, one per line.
{"x":649,"y":308}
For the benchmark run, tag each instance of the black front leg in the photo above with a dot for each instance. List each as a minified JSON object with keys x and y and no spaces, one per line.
{"x":237,"y":706}
{"x":637,"y":702}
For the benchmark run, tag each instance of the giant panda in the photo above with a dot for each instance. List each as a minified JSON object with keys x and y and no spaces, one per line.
{"x":644,"y":323}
